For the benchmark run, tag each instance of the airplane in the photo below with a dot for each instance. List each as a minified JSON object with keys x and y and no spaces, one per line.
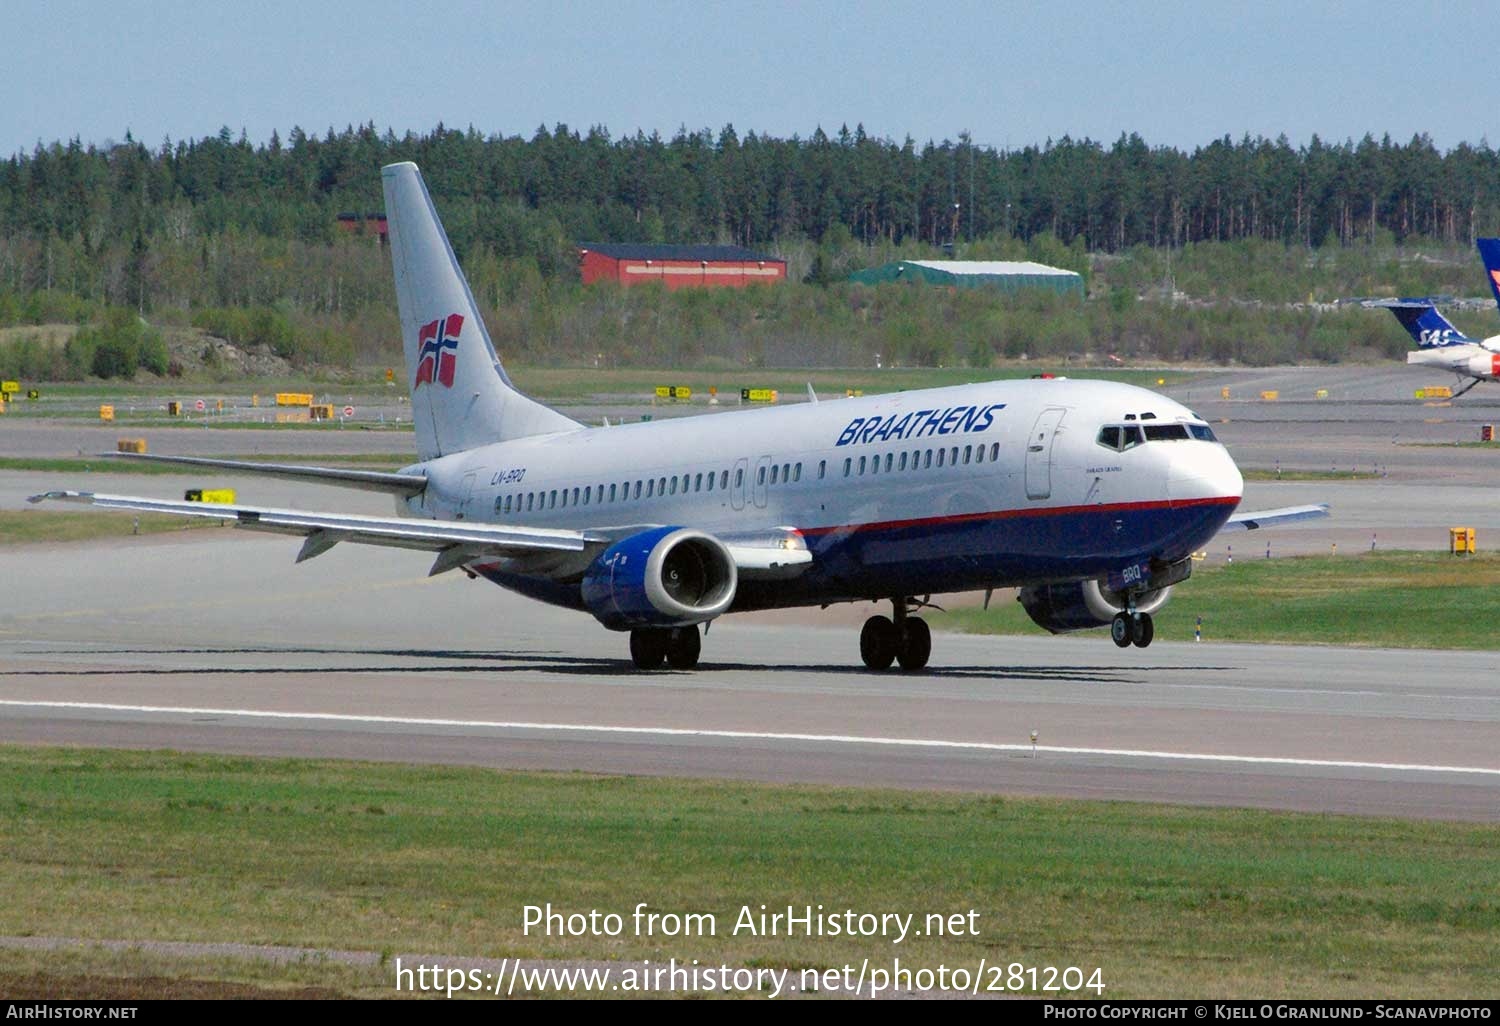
{"x":1089,"y":496}
{"x":1439,"y":343}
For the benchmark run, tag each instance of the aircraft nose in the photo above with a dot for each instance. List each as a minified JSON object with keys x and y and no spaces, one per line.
{"x":1203,"y":471}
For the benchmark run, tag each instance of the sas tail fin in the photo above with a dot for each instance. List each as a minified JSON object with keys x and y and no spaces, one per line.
{"x":1428,"y":328}
{"x":1489,"y":252}
{"x":461,"y":397}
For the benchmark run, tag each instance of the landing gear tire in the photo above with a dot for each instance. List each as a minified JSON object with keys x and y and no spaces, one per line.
{"x":878,"y":642}
{"x":648,"y":647}
{"x":1120,"y":631}
{"x":1142,"y":630}
{"x":915,"y":643}
{"x":683,"y":646}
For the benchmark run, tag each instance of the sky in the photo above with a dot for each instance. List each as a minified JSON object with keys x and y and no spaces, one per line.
{"x":1179,"y":73}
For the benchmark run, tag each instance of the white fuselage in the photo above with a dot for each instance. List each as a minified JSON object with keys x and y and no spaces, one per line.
{"x":930,"y":491}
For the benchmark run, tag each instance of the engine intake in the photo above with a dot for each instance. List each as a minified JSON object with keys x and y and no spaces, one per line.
{"x":665,"y":577}
{"x":1060,"y":608}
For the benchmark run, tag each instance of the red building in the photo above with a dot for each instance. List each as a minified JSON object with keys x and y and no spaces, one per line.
{"x":365,"y":224}
{"x":678,"y":267}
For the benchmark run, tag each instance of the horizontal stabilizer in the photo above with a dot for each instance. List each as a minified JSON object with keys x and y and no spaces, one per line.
{"x":1274,"y":517}
{"x":405,"y":485}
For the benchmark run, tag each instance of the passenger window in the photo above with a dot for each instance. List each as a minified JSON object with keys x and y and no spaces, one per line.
{"x":979,"y":454}
{"x":760,"y":477}
{"x":739,"y":477}
{"x":724,"y":479}
{"x":927,"y":463}
{"x":661,"y":487}
{"x":902,"y":465}
{"x":967,"y":453}
{"x":552,"y":499}
{"x":650,"y":488}
{"x":862,"y":465}
{"x":674,"y":485}
{"x":953,"y":456}
{"x":890,"y":458}
{"x":848,"y":462}
{"x":994,"y":452}
{"x":822,"y":468}
{"x":786,"y":472}
{"x":875,"y":464}
{"x":698,"y":483}
{"x":940,"y":457}
{"x":711,"y":476}
{"x":797,"y":472}
{"x":774,"y":468}
{"x":611,"y":493}
{"x":575,"y":496}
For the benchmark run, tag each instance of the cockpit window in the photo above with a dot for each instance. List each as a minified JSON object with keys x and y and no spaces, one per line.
{"x":1119,"y":436}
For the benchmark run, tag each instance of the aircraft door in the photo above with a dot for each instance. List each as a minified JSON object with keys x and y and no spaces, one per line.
{"x":762,"y":472}
{"x":737,"y":483}
{"x":1039,"y":453}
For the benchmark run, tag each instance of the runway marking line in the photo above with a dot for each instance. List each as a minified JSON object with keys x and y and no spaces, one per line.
{"x":748,"y":735}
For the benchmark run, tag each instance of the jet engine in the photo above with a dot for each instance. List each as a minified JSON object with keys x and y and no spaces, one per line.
{"x":1486,"y":365}
{"x":1082,"y":604}
{"x":665,"y":577}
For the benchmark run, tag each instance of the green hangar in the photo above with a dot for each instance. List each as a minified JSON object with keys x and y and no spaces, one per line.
{"x":1003,"y":275}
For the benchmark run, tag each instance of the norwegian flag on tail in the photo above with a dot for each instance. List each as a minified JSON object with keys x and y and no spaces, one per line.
{"x":437,"y":351}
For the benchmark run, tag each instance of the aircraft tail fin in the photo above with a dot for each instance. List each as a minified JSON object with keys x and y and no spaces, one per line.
{"x":1489,"y":252}
{"x":1428,"y":328}
{"x":461,"y":397}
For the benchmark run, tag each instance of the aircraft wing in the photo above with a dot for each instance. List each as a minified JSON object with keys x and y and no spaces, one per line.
{"x":774,"y":554}
{"x":370,"y":480}
{"x":455,"y":542}
{"x":1274,"y":517}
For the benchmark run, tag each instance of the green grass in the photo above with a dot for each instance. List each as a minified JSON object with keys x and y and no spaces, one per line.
{"x":1385,"y":599}
{"x":32,"y":526}
{"x":1166,"y":901}
{"x":581,"y":383}
{"x":562,"y":384}
{"x":1286,"y":474}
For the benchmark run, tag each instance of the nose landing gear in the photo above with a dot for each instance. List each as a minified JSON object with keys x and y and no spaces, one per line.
{"x":1128,"y":629}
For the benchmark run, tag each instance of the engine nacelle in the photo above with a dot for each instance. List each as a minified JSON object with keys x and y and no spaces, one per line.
{"x":665,"y":577}
{"x":1083,"y":604}
{"x":1485,"y":365}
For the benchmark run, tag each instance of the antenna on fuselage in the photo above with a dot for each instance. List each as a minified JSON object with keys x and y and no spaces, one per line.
{"x":812,"y":396}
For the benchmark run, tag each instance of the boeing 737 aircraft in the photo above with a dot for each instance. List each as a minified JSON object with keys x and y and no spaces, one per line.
{"x":1089,"y":496}
{"x":1439,"y":343}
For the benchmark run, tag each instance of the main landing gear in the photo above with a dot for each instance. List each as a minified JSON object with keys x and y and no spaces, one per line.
{"x":678,"y":647}
{"x":905,"y":639}
{"x":1128,"y":629}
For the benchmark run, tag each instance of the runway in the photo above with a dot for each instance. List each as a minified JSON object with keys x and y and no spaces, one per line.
{"x":220,"y":644}
{"x":213,"y":640}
